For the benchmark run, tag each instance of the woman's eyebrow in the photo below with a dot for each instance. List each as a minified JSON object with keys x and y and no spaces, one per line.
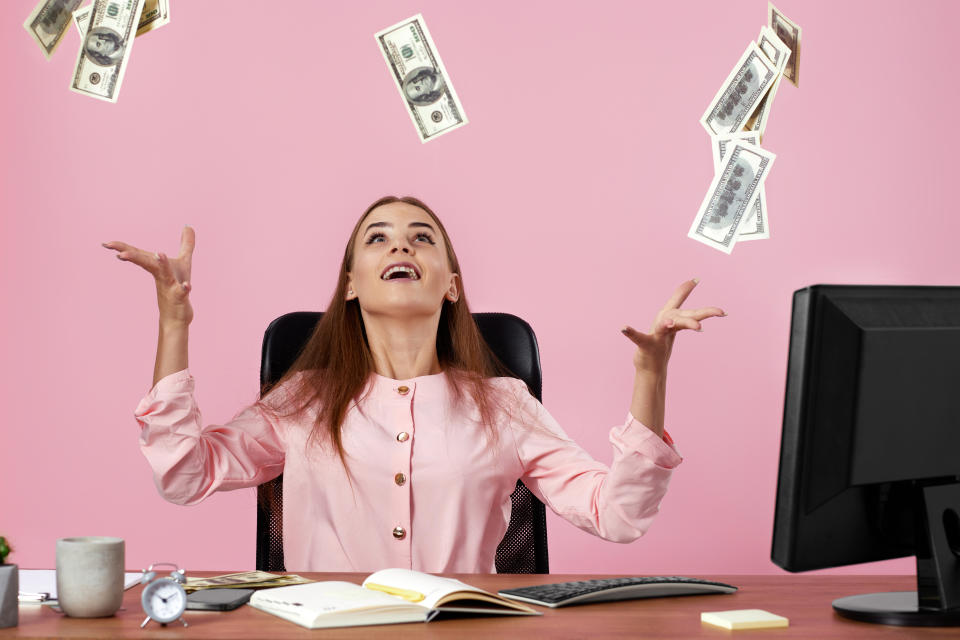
{"x":390,"y":224}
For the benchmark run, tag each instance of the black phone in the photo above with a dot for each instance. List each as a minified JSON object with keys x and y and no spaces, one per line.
{"x":218,"y":599}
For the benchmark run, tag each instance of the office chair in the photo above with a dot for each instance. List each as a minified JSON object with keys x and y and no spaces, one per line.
{"x":524,"y":545}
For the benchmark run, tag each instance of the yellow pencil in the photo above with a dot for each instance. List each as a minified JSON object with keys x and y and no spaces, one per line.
{"x":406,"y":594}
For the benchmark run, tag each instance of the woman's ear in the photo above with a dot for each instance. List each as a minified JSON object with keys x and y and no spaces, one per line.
{"x":453,"y":293}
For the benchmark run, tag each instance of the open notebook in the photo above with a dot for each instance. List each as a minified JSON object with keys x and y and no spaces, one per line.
{"x":389,"y":596}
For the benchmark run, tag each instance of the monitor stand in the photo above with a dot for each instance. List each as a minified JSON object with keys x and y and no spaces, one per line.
{"x":936,"y":602}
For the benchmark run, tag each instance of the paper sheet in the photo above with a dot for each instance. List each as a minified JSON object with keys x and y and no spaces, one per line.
{"x":45,"y":581}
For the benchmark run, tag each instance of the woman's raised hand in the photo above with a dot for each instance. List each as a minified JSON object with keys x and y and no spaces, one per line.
{"x":172,"y":275}
{"x":653,"y":349}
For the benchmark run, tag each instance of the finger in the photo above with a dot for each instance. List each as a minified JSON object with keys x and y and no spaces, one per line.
{"x":703,"y":313}
{"x":164,"y":272}
{"x":116,"y":245}
{"x":188,"y":241}
{"x":129,"y":253}
{"x":119,"y":247}
{"x":638,"y":338}
{"x":680,"y":295}
{"x":681,"y":322}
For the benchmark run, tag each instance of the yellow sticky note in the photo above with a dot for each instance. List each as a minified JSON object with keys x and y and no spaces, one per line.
{"x":744,"y":619}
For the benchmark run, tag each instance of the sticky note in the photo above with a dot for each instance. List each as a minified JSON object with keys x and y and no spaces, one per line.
{"x":744,"y":619}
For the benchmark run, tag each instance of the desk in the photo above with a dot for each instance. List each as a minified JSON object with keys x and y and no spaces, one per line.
{"x":804,"y":599}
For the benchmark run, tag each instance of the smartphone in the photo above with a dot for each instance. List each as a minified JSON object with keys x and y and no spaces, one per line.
{"x":218,"y":599}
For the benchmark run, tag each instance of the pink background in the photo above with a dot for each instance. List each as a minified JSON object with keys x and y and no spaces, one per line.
{"x":568,"y":198}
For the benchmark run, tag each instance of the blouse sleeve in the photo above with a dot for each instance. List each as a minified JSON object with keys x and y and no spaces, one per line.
{"x":618,"y":502}
{"x":191,"y":461}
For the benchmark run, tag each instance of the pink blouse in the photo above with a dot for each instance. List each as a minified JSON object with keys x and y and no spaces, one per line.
{"x":429,"y":489}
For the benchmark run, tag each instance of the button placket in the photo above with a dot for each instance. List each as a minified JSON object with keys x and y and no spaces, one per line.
{"x":398,"y":472}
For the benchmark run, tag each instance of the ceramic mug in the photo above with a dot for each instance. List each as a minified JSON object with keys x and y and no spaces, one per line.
{"x":90,"y":573}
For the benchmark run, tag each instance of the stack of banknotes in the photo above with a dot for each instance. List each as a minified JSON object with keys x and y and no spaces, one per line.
{"x":245,"y":580}
{"x":735,"y":206}
{"x":107,"y":30}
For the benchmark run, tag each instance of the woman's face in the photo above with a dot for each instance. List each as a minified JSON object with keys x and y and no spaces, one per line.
{"x":401,"y":235}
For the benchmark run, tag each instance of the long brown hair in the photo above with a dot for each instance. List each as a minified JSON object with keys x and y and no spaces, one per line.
{"x":335,"y":365}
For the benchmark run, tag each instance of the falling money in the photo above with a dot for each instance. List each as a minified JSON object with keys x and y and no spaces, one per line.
{"x":732,"y":195}
{"x":155,"y":14}
{"x":49,"y":21}
{"x":756,"y":226}
{"x":420,"y":76}
{"x":741,"y":92}
{"x":735,"y":207}
{"x":103,"y":55}
{"x":789,"y":32}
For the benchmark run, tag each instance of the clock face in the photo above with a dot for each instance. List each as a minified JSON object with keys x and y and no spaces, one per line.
{"x":164,"y":600}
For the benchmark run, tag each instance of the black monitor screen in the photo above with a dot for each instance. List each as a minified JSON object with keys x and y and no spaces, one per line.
{"x":871,"y":419}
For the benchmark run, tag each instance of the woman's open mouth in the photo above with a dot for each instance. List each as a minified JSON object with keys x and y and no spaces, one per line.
{"x":403,"y":272}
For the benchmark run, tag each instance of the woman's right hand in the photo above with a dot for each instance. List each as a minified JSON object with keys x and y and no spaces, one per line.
{"x":172,"y":275}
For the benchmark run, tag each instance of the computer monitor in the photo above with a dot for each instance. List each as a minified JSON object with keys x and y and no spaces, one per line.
{"x":870,"y":453}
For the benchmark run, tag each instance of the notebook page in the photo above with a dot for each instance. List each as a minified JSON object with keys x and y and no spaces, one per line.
{"x":325,"y":597}
{"x":432,"y":587}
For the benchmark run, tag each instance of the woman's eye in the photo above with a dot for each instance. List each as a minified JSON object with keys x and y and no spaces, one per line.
{"x":378,"y":235}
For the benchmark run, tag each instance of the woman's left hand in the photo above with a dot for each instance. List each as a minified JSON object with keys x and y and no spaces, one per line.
{"x":653,"y":349}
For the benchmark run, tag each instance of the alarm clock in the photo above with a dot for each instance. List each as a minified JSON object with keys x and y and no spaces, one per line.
{"x":163,"y":599}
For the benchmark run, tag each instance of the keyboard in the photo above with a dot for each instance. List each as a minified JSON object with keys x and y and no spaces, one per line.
{"x":561,"y":594}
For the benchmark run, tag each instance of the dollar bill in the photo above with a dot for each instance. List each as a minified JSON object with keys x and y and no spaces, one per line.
{"x":789,"y":32}
{"x":740,"y":93}
{"x":81,"y":19}
{"x":758,"y":121}
{"x":48,"y":22}
{"x":774,"y":48}
{"x":104,"y":51}
{"x":778,"y":53}
{"x":245,"y":580}
{"x":155,"y":14}
{"x":756,"y":226}
{"x":421,"y":78}
{"x":720,"y":143}
{"x":732,"y":194}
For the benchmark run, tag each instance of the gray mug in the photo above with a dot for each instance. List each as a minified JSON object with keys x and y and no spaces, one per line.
{"x":90,"y":573}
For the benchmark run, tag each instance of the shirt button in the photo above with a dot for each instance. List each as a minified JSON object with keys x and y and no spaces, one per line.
{"x":403,"y":390}
{"x":399,"y":533}
{"x":400,"y":479}
{"x":403,"y":436}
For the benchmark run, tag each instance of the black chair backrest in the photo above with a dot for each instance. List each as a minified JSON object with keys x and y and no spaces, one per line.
{"x":524,"y":545}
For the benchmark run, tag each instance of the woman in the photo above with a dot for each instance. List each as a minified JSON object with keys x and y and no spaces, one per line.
{"x":399,"y":437}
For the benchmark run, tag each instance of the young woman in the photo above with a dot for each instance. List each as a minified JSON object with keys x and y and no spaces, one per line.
{"x":399,"y":435}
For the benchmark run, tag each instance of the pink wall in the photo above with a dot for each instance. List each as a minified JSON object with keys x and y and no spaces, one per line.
{"x":568,"y":197}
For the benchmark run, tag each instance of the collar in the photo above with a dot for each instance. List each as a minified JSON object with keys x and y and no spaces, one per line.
{"x":428,"y":386}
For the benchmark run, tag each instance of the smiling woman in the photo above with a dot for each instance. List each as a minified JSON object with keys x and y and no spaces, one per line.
{"x":399,"y":434}
{"x":399,"y":327}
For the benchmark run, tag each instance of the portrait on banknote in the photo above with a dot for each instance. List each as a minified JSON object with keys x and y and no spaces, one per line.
{"x":104,"y":46}
{"x":423,"y":86}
